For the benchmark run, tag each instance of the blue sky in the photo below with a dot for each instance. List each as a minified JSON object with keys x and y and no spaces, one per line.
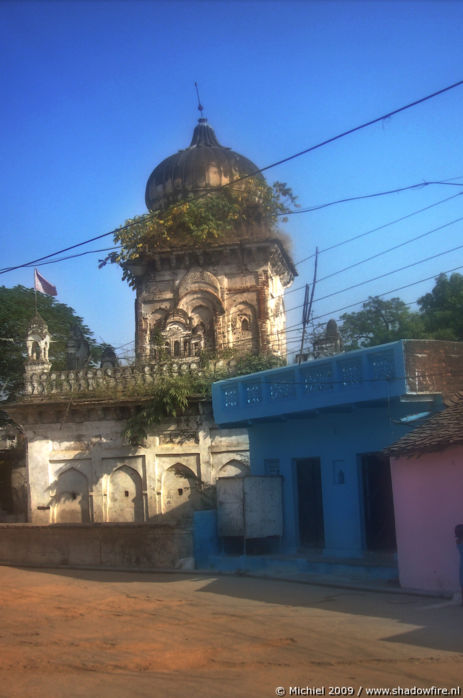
{"x":96,"y":94}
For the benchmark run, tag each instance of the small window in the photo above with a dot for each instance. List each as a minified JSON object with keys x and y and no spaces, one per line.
{"x":126,"y":493}
{"x":180,"y":491}
{"x":176,"y":348}
{"x":245,"y":325}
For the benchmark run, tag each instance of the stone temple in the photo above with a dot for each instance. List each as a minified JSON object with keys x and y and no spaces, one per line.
{"x":189,"y":299}
{"x":229,"y":296}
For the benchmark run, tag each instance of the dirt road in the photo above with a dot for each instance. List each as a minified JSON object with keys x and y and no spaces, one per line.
{"x":66,"y":634}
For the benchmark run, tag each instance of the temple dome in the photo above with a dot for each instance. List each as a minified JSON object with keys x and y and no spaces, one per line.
{"x":205,"y":165}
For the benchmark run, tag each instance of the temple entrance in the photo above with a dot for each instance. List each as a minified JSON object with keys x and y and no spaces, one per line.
{"x":310,"y":500}
{"x":378,"y":505}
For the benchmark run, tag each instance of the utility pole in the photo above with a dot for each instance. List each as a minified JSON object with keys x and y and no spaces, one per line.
{"x":308,"y":302}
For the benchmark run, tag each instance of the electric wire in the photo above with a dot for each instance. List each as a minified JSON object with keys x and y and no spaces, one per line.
{"x":394,"y":290}
{"x":353,"y":130}
{"x":368,"y":196}
{"x":388,"y":273}
{"x":312,"y":148}
{"x":327,"y":249}
{"x":72,"y":256}
{"x":371,"y":257}
{"x":390,"y":249}
{"x":381,"y":227}
{"x":293,"y":290}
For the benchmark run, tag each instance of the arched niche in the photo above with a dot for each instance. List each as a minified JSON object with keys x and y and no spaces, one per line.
{"x":180,"y":490}
{"x":71,"y":500}
{"x":234,"y":468}
{"x":198,"y":298}
{"x":37,"y":346}
{"x":244,"y":330}
{"x":199,"y":280}
{"x":125,"y":496}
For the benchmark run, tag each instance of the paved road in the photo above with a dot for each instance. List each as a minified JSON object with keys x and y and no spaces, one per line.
{"x":66,"y":634}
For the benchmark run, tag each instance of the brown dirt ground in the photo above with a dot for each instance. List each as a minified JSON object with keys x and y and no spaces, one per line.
{"x":72,"y":633}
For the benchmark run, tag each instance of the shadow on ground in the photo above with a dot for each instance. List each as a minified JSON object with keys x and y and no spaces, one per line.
{"x":438,"y":624}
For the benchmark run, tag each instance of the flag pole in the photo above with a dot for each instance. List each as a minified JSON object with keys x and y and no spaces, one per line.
{"x":35,"y":293}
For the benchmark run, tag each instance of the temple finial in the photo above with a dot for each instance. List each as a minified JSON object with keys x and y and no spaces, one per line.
{"x":200,"y":106}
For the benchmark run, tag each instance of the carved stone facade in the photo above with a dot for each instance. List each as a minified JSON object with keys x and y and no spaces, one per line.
{"x":188,"y":301}
{"x":81,"y":471}
{"x":225,"y":297}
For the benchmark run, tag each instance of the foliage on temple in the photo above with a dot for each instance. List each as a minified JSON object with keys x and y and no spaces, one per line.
{"x":247,"y":208}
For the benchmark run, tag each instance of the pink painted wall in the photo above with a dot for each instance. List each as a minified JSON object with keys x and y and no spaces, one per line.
{"x":428,"y":503}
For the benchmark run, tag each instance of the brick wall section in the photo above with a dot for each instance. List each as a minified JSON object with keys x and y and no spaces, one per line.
{"x":434,"y":367}
{"x":127,"y":546}
{"x":262,"y":310}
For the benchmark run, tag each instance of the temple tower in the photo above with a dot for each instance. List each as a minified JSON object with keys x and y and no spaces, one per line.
{"x":225,"y":295}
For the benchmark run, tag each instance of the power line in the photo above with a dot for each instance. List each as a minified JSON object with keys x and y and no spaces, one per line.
{"x":399,"y":288}
{"x":293,"y":290}
{"x":388,"y":273}
{"x":63,"y":259}
{"x":377,"y":295}
{"x":263,"y":169}
{"x":421,"y":185}
{"x":379,"y":254}
{"x":367,"y":259}
{"x":355,"y":237}
{"x":391,"y":249}
{"x":355,"y":129}
{"x":381,"y":227}
{"x":393,"y":271}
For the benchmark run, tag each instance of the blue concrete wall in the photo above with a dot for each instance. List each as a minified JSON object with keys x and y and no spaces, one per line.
{"x":335,"y":409}
{"x":337,"y":439}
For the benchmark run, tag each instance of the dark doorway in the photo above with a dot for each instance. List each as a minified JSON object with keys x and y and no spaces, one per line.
{"x":309,"y":486}
{"x":378,"y":502}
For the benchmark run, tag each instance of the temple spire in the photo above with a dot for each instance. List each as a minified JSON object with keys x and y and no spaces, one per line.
{"x":200,"y":106}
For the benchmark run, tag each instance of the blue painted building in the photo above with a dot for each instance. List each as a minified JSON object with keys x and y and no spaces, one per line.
{"x":322,"y":425}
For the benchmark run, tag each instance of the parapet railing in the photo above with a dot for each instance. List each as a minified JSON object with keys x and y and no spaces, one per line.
{"x":115,"y":379}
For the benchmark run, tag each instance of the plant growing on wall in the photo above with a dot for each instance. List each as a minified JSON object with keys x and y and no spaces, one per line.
{"x":250,"y":207}
{"x":170,"y":394}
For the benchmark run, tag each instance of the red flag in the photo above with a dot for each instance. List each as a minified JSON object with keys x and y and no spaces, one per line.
{"x":44,"y":286}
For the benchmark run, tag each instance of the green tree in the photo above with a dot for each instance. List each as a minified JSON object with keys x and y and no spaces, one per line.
{"x":17,"y":307}
{"x":380,"y":321}
{"x":442,"y":309}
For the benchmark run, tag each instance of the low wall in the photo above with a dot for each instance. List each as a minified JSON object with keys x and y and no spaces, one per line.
{"x":136,"y":546}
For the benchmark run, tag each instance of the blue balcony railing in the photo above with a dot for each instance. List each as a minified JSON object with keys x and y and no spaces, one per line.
{"x":365,"y":375}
